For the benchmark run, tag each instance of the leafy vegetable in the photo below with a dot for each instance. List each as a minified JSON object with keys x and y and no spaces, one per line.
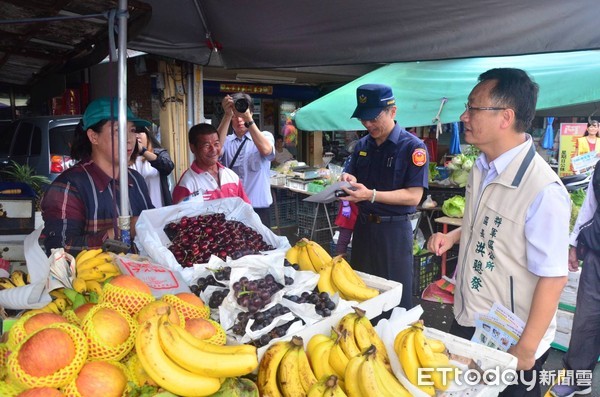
{"x":454,"y":207}
{"x":433,"y":172}
{"x":578,"y":196}
{"x":460,"y":177}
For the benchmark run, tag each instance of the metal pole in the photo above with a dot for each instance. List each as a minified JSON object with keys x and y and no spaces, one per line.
{"x":124,"y":218}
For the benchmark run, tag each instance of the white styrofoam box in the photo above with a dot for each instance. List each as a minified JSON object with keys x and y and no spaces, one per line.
{"x":390,"y":296}
{"x":568,"y":296}
{"x":12,"y":247}
{"x":573,"y":280}
{"x":564,"y":321}
{"x":278,"y":180}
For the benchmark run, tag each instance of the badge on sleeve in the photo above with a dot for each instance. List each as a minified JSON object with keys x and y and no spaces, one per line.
{"x":419,"y":157}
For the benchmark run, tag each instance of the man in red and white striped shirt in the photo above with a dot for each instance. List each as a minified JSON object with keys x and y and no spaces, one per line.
{"x":207,"y":179}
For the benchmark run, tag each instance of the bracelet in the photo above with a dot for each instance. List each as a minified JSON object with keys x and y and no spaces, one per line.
{"x":373,"y":197}
{"x":143,"y":151}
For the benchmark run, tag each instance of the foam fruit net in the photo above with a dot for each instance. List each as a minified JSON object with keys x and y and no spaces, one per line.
{"x":98,"y":350}
{"x":61,"y":377}
{"x":132,"y":301}
{"x":187,"y":309}
{"x":71,"y":390}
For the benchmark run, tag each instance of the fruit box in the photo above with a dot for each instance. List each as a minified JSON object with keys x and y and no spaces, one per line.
{"x":390,"y":296}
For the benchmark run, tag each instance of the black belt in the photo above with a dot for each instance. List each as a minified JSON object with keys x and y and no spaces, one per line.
{"x":382,"y":219}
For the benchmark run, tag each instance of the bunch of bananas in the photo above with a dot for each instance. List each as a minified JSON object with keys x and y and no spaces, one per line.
{"x":59,"y":304}
{"x":338,"y":276}
{"x":185,"y":365}
{"x":285,"y":371}
{"x":92,"y":268}
{"x":17,"y":278}
{"x":416,"y":351}
{"x":308,"y":255}
{"x":366,"y":375}
{"x":330,"y":355}
{"x":327,"y":387}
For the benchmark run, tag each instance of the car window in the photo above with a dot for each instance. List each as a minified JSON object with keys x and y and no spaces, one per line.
{"x":60,"y":139}
{"x":22,"y":139}
{"x":36,"y":141}
{"x":6,"y":136}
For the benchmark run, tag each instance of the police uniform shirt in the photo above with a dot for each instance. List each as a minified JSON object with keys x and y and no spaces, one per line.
{"x":399,"y":162}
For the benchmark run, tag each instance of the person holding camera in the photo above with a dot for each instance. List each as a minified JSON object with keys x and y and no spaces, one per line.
{"x":248,"y":152}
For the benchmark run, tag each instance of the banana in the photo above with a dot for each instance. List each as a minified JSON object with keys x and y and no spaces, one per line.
{"x":61,"y":303}
{"x":91,"y":274}
{"x":58,"y":293}
{"x":107,"y":267}
{"x":87,"y":254}
{"x":106,"y":276}
{"x":96,"y":261}
{"x":368,"y":381}
{"x":324,"y":284}
{"x":338,"y":359}
{"x":429,"y":359}
{"x":304,"y":261}
{"x":93,"y":286}
{"x":209,"y":347}
{"x":201,"y":362}
{"x":410,"y":361}
{"x":292,"y":255}
{"x":346,"y":328}
{"x":398,"y":339}
{"x":18,"y":277}
{"x":51,"y":308}
{"x":288,"y":374}
{"x":387,"y":381}
{"x":318,"y":388}
{"x":314,"y":341}
{"x":6,"y":283}
{"x":307,"y":376}
{"x":351,"y":274}
{"x":79,"y":285}
{"x":437,"y":346}
{"x":351,"y":377}
{"x":319,"y":359}
{"x":319,"y":257}
{"x":333,"y":388}
{"x":342,"y":279}
{"x":365,"y":336}
{"x":165,"y":372}
{"x":267,"y":369}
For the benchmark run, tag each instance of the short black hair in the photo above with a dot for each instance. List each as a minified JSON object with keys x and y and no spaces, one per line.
{"x":514,"y":89}
{"x":200,"y":129}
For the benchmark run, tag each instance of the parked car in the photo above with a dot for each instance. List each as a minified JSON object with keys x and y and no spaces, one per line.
{"x":43,"y":143}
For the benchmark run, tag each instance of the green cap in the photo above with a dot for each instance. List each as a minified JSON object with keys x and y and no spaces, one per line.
{"x":99,"y":109}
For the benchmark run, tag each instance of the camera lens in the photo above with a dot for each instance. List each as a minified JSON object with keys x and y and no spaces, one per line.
{"x":241,"y":105}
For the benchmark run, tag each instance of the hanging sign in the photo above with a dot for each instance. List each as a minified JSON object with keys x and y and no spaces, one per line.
{"x":247,"y":88}
{"x":569,"y":132}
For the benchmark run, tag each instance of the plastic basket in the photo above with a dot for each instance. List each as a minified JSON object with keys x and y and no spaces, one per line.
{"x":286,"y":208}
{"x":333,"y":251}
{"x":426,"y":270}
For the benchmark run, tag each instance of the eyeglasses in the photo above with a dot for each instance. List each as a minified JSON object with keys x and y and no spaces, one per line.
{"x":469,"y":108}
{"x":373,"y":120}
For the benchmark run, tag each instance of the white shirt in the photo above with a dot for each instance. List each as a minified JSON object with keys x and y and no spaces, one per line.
{"x":152,"y":178}
{"x":586,"y":212}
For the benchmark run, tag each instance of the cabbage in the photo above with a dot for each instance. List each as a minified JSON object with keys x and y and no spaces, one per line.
{"x":460,"y":177}
{"x":454,"y":207}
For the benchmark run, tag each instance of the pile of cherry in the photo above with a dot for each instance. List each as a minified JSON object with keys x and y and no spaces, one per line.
{"x":195,"y":238}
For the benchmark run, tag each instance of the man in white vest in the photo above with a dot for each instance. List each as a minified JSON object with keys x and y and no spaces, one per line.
{"x":514,"y":239}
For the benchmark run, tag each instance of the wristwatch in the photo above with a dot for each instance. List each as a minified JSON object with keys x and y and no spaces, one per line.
{"x":247,"y":124}
{"x":143,"y":151}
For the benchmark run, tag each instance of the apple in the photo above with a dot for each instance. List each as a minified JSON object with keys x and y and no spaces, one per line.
{"x":45,"y":352}
{"x":41,"y":392}
{"x":101,"y":379}
{"x":110,"y":326}
{"x":131,"y":283}
{"x":41,"y":320}
{"x":82,"y":310}
{"x":200,"y":328}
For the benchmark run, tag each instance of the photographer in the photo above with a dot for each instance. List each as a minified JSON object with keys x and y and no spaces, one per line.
{"x":248,"y":152}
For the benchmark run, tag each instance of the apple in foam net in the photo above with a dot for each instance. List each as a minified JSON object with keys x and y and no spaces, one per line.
{"x":131,"y":283}
{"x":41,"y":320}
{"x":110,"y":326}
{"x":190,"y":298}
{"x":200,"y":328}
{"x":100,"y":379}
{"x":46,"y":352}
{"x":41,"y":392}
{"x":82,"y":310}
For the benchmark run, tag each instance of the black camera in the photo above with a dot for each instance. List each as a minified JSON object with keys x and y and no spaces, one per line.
{"x":340,"y":193}
{"x":241,"y":105}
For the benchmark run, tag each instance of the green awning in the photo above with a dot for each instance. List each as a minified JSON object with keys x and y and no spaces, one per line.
{"x":564,"y":79}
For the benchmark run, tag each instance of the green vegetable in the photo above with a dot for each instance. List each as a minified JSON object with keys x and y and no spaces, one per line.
{"x":433,"y":172}
{"x":460,"y":177}
{"x":454,"y":207}
{"x":578,"y":196}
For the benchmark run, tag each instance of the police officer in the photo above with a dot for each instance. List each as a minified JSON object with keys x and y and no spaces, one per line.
{"x":387,"y":173}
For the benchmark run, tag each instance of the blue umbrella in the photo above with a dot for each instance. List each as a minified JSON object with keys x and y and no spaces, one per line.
{"x":548,"y":141}
{"x":455,"y":140}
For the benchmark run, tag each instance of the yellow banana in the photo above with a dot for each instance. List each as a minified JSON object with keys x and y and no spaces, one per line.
{"x":343,"y":282}
{"x":324,"y":284}
{"x":18,"y":277}
{"x":292,"y":255}
{"x":352,"y":381}
{"x":108,"y":275}
{"x":333,"y":388}
{"x":304,"y":261}
{"x":211,"y":348}
{"x":93,"y":286}
{"x":387,"y":381}
{"x":437,"y":346}
{"x":6,"y":283}
{"x":93,"y":262}
{"x":368,"y":381}
{"x":363,"y":330}
{"x":288,"y":373}
{"x":319,"y":359}
{"x":398,"y":339}
{"x":58,"y":293}
{"x":79,"y":285}
{"x":307,"y":376}
{"x":91,"y":274}
{"x":87,"y":254}
{"x":165,"y":372}
{"x":319,"y":257}
{"x":351,"y":274}
{"x":337,"y":359}
{"x":201,"y":362}
{"x":61,"y":303}
{"x":108,"y":267}
{"x":346,"y":329}
{"x":314,"y":341}
{"x":429,"y":359}
{"x":318,"y":388}
{"x":51,"y":308}
{"x":267,"y":370}
{"x":410,"y":362}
